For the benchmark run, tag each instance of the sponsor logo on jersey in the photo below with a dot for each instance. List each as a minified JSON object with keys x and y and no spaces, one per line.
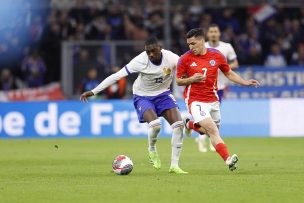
{"x":193,"y":64}
{"x":212,"y":62}
{"x":167,"y":71}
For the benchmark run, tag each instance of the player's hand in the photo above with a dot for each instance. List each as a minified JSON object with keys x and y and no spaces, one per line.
{"x":253,"y":82}
{"x":84,"y":96}
{"x":198,"y":77}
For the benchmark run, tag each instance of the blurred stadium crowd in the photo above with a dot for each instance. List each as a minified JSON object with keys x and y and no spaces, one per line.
{"x":30,"y":43}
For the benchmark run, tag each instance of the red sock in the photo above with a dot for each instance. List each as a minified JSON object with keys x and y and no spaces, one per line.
{"x":193,"y":126}
{"x":222,"y":150}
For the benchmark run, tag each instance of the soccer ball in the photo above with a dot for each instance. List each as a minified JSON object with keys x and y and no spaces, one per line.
{"x":122,"y":165}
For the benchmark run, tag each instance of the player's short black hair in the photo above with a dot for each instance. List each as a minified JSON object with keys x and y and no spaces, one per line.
{"x":196,"y":32}
{"x":213,"y":25}
{"x":151,"y":41}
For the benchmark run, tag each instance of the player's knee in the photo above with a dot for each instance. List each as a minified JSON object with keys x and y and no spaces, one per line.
{"x":178,"y":127}
{"x":155,"y":126}
{"x":212,"y":130}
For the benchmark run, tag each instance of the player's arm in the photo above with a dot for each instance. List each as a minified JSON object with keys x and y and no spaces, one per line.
{"x":234,"y":64}
{"x":184,"y":80}
{"x":234,"y":77}
{"x":104,"y":84}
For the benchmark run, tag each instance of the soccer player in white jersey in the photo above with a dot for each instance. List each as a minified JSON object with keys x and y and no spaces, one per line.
{"x":152,"y":97}
{"x":213,"y":35}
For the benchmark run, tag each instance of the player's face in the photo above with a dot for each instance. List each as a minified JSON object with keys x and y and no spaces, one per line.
{"x":154,"y":52}
{"x":196,"y":45}
{"x":214,"y":34}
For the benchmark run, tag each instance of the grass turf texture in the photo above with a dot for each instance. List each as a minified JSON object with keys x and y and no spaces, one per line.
{"x":79,"y":170}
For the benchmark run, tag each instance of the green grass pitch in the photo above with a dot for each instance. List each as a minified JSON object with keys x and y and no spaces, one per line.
{"x":79,"y":170}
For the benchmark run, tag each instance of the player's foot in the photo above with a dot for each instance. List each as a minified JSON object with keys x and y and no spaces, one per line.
{"x":231,"y":162}
{"x":177,"y":170}
{"x":154,"y":159}
{"x":188,"y":131}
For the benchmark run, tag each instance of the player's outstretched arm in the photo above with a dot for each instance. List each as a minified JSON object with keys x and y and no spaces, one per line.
{"x":104,"y":84}
{"x":234,"y":77}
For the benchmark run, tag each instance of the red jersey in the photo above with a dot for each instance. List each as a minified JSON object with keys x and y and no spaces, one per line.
{"x":206,"y":64}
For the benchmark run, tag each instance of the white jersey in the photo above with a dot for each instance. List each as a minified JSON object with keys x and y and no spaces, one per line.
{"x":152,"y":79}
{"x":227,"y":50}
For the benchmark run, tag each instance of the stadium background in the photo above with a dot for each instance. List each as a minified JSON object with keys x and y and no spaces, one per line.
{"x":48,"y":48}
{"x":52,"y":50}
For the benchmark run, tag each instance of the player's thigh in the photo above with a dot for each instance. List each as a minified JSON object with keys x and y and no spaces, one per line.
{"x":200,"y":111}
{"x":166,"y":106}
{"x":209,"y":126}
{"x":149,"y":115}
{"x":145,"y":109}
{"x":172,"y":115}
{"x":216,"y":113}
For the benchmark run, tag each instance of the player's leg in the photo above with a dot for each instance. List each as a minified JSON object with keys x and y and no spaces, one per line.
{"x":146,"y":113}
{"x":154,"y":128}
{"x":216,"y":116}
{"x":201,"y":142}
{"x":174,"y":119}
{"x":166,"y":106}
{"x":201,"y":114}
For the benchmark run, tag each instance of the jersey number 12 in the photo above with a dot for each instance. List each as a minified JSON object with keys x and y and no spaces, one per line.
{"x":158,"y":80}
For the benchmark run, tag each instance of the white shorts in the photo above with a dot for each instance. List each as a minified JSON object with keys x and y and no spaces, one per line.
{"x":201,"y":111}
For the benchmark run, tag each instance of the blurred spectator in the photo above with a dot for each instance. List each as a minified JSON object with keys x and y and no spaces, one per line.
{"x":116,"y":21}
{"x":9,"y":81}
{"x":118,"y":89}
{"x":98,"y":29}
{"x":251,"y":31}
{"x":275,"y":58}
{"x":33,"y":69}
{"x":51,"y":51}
{"x":298,"y":57}
{"x":155,"y":24}
{"x":135,"y":30}
{"x":254,"y":57}
{"x":82,"y":63}
{"x":90,"y":81}
{"x":228,"y":20}
{"x":80,"y":11}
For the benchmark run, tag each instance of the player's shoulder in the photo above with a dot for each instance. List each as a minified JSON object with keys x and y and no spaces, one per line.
{"x":142,"y":57}
{"x":215,"y":53}
{"x":168,"y":53}
{"x":185,"y":56}
{"x":226,"y":45}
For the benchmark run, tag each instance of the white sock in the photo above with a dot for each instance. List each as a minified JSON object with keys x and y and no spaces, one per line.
{"x":153,"y":131}
{"x":176,"y":142}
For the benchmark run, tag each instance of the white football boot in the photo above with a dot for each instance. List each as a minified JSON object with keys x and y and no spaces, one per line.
{"x":231,"y":162}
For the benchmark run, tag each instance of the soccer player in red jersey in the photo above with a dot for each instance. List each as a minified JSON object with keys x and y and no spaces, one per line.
{"x":198,"y":70}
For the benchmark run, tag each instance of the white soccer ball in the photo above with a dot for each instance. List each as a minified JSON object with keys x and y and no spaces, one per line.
{"x":122,"y":165}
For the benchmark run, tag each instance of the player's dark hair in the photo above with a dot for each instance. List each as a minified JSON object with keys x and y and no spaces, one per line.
{"x":196,"y":32}
{"x":151,"y":41}
{"x":213,"y":25}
